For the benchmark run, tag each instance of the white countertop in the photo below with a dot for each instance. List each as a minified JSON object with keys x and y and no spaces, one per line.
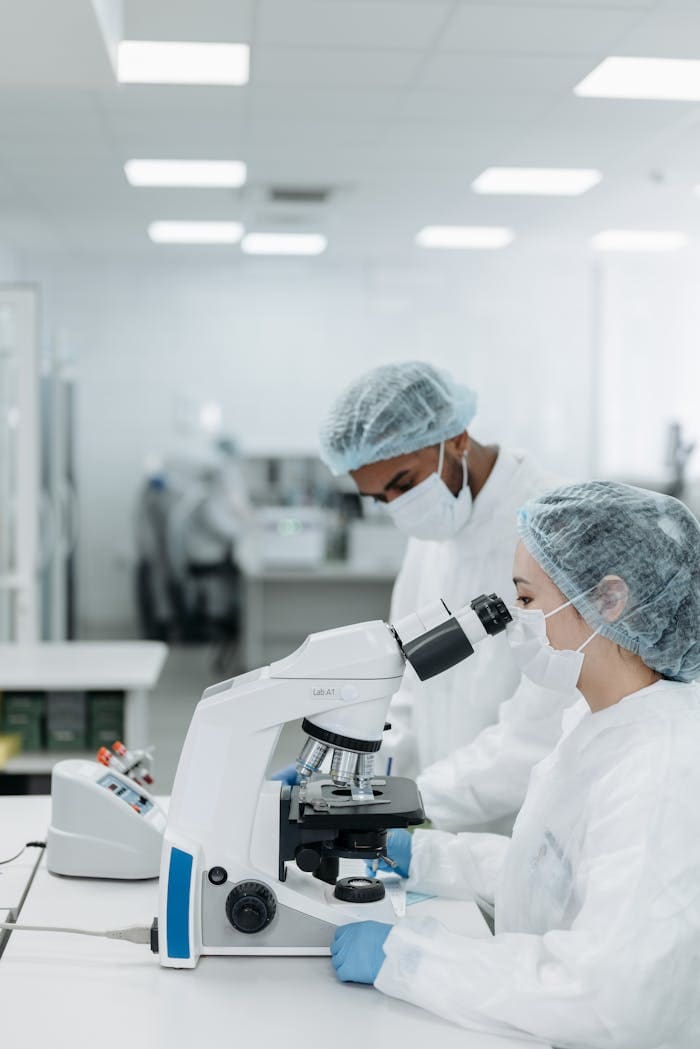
{"x":82,"y":665}
{"x":325,"y":572}
{"x":70,"y":991}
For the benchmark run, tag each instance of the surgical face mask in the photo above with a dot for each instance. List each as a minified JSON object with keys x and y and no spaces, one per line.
{"x":558,"y":669}
{"x":431,"y":510}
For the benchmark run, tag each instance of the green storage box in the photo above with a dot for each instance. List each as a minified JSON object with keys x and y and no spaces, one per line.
{"x":106,"y":718}
{"x":66,"y":721}
{"x":23,"y":714}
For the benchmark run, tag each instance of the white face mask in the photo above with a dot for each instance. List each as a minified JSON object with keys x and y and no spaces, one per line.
{"x":430,"y":510}
{"x":558,"y":669}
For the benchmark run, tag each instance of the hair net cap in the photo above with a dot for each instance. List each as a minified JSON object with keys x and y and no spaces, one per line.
{"x":393,"y":410}
{"x":581,"y":533}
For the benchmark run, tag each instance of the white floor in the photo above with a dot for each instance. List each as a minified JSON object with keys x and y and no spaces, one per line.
{"x":187,"y":672}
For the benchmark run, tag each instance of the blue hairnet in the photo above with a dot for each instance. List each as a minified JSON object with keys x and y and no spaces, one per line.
{"x":392,"y":410}
{"x":583,"y":532}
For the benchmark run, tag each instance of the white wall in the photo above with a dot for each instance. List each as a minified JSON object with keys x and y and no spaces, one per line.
{"x":274,"y":341}
{"x":650,"y":364}
{"x":8,"y":264}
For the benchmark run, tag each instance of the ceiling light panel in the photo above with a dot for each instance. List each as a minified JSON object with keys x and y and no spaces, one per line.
{"x":638,"y":240}
{"x":169,"y":232}
{"x":284,"y":244}
{"x":663,"y":79}
{"x":229,"y":174}
{"x":547,"y":182}
{"x":464,"y":237}
{"x":175,"y":62}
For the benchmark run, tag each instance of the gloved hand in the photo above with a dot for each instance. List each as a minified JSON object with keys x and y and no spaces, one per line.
{"x":287,"y":775}
{"x":398,"y":848}
{"x":357,"y":951}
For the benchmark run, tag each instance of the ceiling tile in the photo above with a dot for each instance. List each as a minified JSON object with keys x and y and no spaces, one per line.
{"x":52,"y":44}
{"x":344,"y":104}
{"x":635,"y":5}
{"x":334,"y":68}
{"x":298,"y":135}
{"x":228,"y":21}
{"x":578,"y":134}
{"x":465,"y":107}
{"x":347,"y":23}
{"x":150,"y":102}
{"x":509,"y":74}
{"x":665,"y":35}
{"x":531,"y":28}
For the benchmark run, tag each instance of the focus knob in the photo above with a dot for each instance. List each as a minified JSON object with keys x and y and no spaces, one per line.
{"x":359,"y":890}
{"x":250,"y":906}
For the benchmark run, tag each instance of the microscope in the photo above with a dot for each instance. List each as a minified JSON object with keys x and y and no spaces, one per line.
{"x":249,"y":865}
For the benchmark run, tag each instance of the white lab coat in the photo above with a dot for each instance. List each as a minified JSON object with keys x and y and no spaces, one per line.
{"x":597,"y":897}
{"x":480,"y":776}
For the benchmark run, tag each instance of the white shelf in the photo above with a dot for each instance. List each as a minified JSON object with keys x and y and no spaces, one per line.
{"x":90,"y":665}
{"x":129,"y":667}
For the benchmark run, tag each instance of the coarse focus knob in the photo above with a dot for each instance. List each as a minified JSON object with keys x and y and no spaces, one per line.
{"x":250,"y":906}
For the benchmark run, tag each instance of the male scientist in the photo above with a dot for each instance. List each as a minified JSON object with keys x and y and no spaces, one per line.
{"x":472,"y":735}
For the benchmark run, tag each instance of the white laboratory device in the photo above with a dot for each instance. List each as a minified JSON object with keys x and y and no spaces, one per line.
{"x":289,"y":536}
{"x":103,"y":824}
{"x":250,"y":866}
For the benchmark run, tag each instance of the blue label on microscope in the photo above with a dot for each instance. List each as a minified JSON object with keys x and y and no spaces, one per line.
{"x":178,"y":911}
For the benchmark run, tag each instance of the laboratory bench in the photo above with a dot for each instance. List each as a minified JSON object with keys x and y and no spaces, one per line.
{"x":22,"y":819}
{"x":124,"y":671}
{"x":283,"y":606}
{"x":73,"y":991}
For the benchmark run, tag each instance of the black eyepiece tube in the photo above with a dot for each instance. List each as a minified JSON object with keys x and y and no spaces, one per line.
{"x":454,"y":639}
{"x":439,"y":649}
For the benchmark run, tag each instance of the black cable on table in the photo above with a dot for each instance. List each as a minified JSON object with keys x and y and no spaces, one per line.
{"x":29,"y":845}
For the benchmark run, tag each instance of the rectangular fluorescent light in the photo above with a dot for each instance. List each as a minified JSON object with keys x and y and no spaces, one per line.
{"x":229,"y":174}
{"x":284,"y":244}
{"x":638,"y":240}
{"x":554,"y":182}
{"x":666,"y":79}
{"x":172,"y":62}
{"x":464,"y":237}
{"x":195,"y":232}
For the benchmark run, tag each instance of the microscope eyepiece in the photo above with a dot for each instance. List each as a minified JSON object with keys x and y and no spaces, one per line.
{"x":434,"y":640}
{"x":437,"y":650}
{"x":492,"y":612}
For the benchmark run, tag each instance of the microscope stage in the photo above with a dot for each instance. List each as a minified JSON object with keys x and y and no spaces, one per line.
{"x":398,"y":804}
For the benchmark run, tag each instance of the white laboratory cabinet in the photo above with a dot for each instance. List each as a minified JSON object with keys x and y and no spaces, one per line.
{"x":19,"y":464}
{"x":38,"y":504}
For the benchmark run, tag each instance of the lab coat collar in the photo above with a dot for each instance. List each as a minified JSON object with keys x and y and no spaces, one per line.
{"x":497,"y":483}
{"x":663,"y":697}
{"x":635,"y":707}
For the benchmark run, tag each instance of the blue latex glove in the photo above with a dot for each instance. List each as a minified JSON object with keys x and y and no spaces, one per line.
{"x":398,"y":847}
{"x":357,"y":951}
{"x":287,"y":775}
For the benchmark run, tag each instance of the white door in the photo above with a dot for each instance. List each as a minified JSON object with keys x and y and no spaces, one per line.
{"x":19,"y":463}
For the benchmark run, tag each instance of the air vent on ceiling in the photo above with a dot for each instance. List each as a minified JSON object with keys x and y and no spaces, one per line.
{"x":299,"y":194}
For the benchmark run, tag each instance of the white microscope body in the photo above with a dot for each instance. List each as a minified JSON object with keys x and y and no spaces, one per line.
{"x":225,"y":884}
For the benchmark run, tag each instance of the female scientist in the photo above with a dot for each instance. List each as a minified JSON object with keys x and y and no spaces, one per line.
{"x":597,"y":895}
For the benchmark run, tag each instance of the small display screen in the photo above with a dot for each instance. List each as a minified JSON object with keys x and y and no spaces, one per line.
{"x":138,"y":802}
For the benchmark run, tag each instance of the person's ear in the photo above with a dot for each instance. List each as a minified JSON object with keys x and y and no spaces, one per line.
{"x":611,"y":597}
{"x":459,"y":445}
